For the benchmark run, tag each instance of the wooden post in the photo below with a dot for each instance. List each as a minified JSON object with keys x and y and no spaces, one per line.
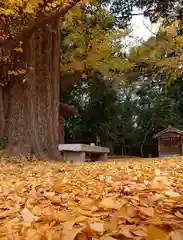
{"x":159,"y":142}
{"x":181,"y":147}
{"x":61,"y":130}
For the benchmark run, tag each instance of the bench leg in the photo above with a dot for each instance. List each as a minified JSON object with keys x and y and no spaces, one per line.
{"x":74,"y":156}
{"x":99,"y":157}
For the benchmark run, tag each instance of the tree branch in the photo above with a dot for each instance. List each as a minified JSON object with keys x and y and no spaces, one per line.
{"x":39,"y":22}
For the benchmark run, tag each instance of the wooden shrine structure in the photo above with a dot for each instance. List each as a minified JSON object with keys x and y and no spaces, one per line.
{"x":170,"y":142}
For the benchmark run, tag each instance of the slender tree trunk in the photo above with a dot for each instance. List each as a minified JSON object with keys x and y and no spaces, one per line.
{"x":33,"y":101}
{"x":144,"y":139}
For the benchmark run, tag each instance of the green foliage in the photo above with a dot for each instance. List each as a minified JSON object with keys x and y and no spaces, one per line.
{"x":155,"y":9}
{"x":96,"y":104}
{"x":124,"y":116}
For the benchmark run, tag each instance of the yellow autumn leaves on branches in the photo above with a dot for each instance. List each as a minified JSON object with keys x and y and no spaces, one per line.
{"x":18,"y":8}
{"x":18,"y":15}
{"x":89,"y":44}
{"x":97,"y":47}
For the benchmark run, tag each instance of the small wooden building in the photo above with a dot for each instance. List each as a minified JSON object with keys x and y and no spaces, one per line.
{"x":170,"y":142}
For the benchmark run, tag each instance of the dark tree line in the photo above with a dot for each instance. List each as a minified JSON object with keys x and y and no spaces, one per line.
{"x":124,"y":117}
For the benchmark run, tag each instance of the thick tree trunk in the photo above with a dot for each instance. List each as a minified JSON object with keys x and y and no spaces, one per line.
{"x":2,"y":113}
{"x":33,"y":102}
{"x":61,"y":130}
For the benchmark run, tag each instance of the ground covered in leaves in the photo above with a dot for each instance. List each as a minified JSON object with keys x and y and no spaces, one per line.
{"x":127,"y":199}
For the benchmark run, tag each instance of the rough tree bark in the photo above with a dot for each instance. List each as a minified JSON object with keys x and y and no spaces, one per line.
{"x":31,"y":124}
{"x":2,"y":113}
{"x":29,"y":106}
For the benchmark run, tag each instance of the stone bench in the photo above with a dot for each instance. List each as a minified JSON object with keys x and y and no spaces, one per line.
{"x":79,"y":152}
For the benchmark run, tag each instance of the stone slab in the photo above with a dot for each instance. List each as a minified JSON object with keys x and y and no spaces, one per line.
{"x":74,"y":156}
{"x":82,"y":148}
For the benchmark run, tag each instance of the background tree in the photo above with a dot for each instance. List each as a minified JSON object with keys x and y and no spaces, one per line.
{"x":96,"y":102}
{"x":151,"y":106}
{"x":126,"y":124}
{"x":90,"y":44}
